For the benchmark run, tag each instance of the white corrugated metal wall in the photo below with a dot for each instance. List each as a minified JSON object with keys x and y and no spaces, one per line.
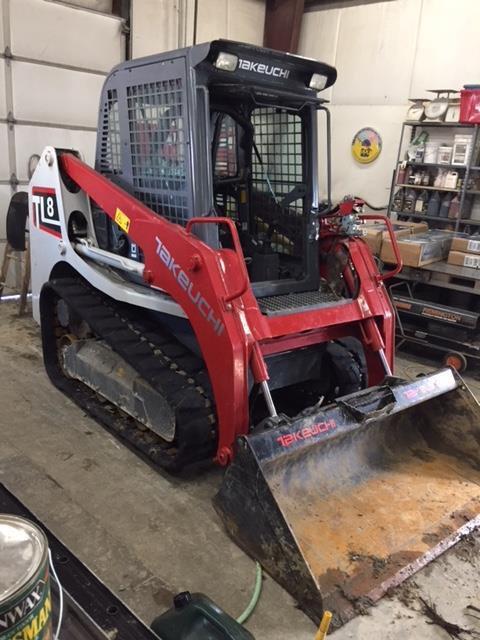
{"x":161,"y":25}
{"x":53,"y":61}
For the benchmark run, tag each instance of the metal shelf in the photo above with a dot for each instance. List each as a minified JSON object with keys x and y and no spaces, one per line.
{"x":463,"y":193}
{"x":427,"y":123}
{"x":424,"y":216}
{"x":434,"y":165}
{"x":420,"y":186}
{"x":444,"y":275}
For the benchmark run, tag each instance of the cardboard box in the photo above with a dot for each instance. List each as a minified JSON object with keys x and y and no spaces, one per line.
{"x":466,"y":245}
{"x":375,"y":232}
{"x":463,"y":259}
{"x":419,"y":249}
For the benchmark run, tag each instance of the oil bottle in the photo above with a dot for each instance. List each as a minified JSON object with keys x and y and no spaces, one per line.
{"x":445,"y":206}
{"x":409,"y":201}
{"x":434,"y":204}
{"x":421,"y":202}
{"x":398,"y":200}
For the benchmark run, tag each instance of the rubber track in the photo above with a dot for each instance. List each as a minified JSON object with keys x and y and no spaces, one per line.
{"x":167,"y":365}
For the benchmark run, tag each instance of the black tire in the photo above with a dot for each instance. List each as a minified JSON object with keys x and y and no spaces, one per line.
{"x":347,"y":373}
{"x":17,"y":215}
{"x":355,"y":347}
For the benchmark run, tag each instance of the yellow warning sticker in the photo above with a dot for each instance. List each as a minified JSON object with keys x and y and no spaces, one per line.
{"x":122,"y":220}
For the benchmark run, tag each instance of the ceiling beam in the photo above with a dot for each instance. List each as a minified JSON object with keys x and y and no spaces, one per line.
{"x":283,"y":19}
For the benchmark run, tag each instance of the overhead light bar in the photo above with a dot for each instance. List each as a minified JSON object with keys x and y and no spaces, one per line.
{"x":226,"y":61}
{"x":318,"y":82}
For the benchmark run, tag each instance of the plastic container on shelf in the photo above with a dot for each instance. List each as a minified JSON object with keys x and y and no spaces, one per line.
{"x":431,"y":152}
{"x":409,"y":201}
{"x":470,"y":104}
{"x":439,"y":181}
{"x":445,"y":206}
{"x":433,"y":204}
{"x":454,"y":210}
{"x":421,"y":203}
{"x":401,"y":173}
{"x":451,"y":180}
{"x":398,"y":200}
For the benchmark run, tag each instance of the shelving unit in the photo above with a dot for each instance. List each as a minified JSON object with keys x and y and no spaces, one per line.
{"x":409,"y":132}
{"x":439,"y":288}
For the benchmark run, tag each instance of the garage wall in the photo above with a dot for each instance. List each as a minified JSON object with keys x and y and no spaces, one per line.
{"x":53,"y":61}
{"x":241,"y":20}
{"x":386,"y":52}
{"x":162,"y":25}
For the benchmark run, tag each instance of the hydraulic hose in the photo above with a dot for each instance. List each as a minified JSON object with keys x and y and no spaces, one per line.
{"x":255,"y":596}
{"x":370,"y":206}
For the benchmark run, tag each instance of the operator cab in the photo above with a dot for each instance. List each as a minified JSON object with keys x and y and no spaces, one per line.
{"x":228,"y":130}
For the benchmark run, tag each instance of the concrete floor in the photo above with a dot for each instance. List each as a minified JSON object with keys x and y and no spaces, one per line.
{"x":149,"y":536}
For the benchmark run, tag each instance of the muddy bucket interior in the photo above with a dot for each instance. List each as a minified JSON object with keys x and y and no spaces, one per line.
{"x":342,"y":505}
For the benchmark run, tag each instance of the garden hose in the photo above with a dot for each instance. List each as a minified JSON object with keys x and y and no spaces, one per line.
{"x":255,"y":596}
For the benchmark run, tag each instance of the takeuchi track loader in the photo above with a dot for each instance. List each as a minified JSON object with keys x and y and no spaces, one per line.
{"x":201,"y":299}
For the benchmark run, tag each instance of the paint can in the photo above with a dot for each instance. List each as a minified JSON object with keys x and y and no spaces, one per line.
{"x":25,"y":602}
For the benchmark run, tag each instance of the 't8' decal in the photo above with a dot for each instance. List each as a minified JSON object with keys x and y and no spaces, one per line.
{"x":45,"y":210}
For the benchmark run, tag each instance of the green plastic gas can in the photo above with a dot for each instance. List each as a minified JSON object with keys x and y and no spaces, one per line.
{"x":195,"y":617}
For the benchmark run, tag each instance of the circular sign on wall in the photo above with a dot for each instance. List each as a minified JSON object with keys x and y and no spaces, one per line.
{"x":366,"y":145}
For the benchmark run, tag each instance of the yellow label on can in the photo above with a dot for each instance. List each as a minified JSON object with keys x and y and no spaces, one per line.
{"x":122,"y":220}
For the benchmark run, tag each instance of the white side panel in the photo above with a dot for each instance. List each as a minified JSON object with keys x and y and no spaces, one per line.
{"x":155,"y":27}
{"x":318,"y":38}
{"x":48,"y":94}
{"x":4,"y":168}
{"x":240,"y":20}
{"x":370,"y":181}
{"x":375,"y":52}
{"x":46,"y":249}
{"x":31,"y":140}
{"x":3,"y":106}
{"x":5,"y":195}
{"x":448,"y":46}
{"x":57,"y":33}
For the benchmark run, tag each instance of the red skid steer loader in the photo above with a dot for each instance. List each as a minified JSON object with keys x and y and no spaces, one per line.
{"x":198,"y":298}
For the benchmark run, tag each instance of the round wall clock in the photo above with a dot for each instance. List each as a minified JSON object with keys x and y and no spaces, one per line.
{"x":366,"y":145}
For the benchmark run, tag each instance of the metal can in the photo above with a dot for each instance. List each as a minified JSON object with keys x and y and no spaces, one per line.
{"x":25,"y":602}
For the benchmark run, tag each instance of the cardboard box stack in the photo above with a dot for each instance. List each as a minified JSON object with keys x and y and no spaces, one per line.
{"x":419,"y":249}
{"x":465,"y":252}
{"x":375,"y":233}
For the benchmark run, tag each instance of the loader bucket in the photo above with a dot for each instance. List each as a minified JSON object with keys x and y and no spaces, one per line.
{"x":341,"y":505}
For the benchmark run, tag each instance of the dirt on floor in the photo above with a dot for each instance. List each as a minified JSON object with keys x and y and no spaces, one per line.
{"x":148,"y":535}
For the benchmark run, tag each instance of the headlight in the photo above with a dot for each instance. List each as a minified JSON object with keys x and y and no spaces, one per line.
{"x":226,"y":61}
{"x":318,"y":82}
